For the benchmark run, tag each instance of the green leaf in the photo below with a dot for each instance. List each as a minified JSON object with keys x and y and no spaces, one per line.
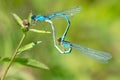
{"x":18,"y":19}
{"x":29,"y":17}
{"x":26,"y":62}
{"x":39,"y":31}
{"x":28,"y":46}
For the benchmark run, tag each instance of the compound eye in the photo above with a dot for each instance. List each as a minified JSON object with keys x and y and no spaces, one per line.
{"x":33,"y":17}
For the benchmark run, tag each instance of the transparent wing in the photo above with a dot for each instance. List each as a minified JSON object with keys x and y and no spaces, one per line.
{"x":71,"y":11}
{"x":98,"y":55}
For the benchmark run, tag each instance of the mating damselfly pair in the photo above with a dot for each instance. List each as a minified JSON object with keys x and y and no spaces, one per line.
{"x":98,"y":55}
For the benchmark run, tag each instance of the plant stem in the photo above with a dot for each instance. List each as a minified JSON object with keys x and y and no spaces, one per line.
{"x":13,"y":57}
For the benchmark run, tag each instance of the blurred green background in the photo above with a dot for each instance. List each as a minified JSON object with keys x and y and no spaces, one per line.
{"x":97,"y":27}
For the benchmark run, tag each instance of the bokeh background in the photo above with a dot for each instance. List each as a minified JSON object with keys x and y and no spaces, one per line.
{"x":97,"y":26}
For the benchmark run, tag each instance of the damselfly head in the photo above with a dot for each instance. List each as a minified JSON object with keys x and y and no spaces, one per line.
{"x":59,"y":40}
{"x":33,"y":17}
{"x":62,"y":42}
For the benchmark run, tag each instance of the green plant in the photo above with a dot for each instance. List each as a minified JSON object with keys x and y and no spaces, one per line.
{"x":25,"y":27}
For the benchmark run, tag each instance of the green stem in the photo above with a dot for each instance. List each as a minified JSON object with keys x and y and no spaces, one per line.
{"x":13,"y":57}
